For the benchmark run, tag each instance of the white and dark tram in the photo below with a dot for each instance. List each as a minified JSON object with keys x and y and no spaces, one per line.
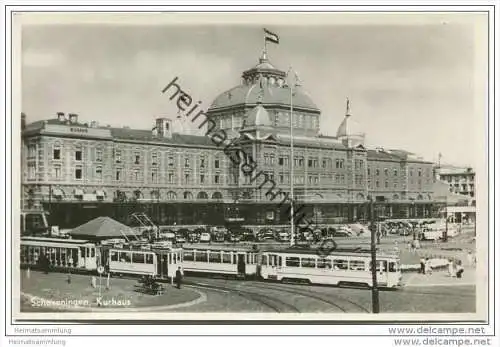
{"x":80,"y":255}
{"x":346,"y":266}
{"x":236,"y":261}
{"x":159,"y":263}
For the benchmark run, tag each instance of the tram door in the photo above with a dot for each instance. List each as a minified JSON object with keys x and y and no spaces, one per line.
{"x":162,"y":265}
{"x":241,"y":265}
{"x":382,"y":268}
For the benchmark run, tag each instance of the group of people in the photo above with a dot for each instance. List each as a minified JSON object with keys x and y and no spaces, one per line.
{"x":455,"y":267}
{"x":425,"y":266}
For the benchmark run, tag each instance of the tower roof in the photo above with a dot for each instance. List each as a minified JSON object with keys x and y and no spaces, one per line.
{"x":349,"y":127}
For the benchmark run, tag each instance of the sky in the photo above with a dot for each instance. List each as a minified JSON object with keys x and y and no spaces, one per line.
{"x":411,"y":85}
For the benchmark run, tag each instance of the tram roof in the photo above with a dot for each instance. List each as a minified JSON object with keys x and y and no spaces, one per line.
{"x":55,"y":240}
{"x":338,"y":251}
{"x":238,"y":248}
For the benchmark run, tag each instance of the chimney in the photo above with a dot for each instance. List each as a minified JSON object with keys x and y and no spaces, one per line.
{"x":163,"y":127}
{"x":23,"y":121}
{"x":73,"y":118}
{"x":61,"y":117}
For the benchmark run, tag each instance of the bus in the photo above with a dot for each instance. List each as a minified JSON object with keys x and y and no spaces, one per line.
{"x":34,"y":222}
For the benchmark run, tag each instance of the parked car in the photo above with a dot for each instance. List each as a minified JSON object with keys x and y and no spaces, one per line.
{"x":205,"y":237}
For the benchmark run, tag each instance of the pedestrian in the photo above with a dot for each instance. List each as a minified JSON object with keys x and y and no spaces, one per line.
{"x":428,"y":266}
{"x":178,"y":277}
{"x":93,"y":282}
{"x":422,"y":266}
{"x":460,"y":269}
{"x":451,"y":266}
{"x":409,"y":246}
{"x":470,"y":257}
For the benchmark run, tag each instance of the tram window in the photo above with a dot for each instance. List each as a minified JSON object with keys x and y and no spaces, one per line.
{"x":264,"y":260}
{"x":124,"y":257}
{"x":113,"y":256}
{"x":292,"y":261}
{"x":149,"y":259}
{"x":340,"y":264}
{"x":188,"y":256}
{"x":82,"y":251}
{"x":249,"y":258}
{"x":384,"y":266}
{"x":138,"y":258}
{"x":392,"y":267}
{"x":324,"y":263}
{"x":92,"y":252}
{"x":214,"y":257}
{"x":280,"y":261}
{"x":384,"y":262}
{"x":308,"y":262}
{"x":357,"y":265}
{"x":201,"y":256}
{"x":226,"y":257}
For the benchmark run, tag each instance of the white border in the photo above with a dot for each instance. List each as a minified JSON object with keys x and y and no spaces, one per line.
{"x":243,"y":329}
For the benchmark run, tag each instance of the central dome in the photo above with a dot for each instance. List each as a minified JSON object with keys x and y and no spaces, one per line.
{"x":266,"y":84}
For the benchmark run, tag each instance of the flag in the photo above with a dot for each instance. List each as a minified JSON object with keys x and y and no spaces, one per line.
{"x":272,"y":37}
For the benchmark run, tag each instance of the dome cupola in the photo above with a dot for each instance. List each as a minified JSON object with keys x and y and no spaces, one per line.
{"x":350,"y":131}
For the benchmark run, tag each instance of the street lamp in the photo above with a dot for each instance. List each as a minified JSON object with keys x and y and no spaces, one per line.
{"x":445,"y":233}
{"x":373,"y":250}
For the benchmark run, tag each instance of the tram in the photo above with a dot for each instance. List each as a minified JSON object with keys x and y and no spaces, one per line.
{"x":58,"y":253}
{"x":218,"y":259}
{"x":159,"y":263}
{"x":347,"y":266}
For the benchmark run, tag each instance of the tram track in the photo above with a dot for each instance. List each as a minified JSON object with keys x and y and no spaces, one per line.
{"x":315,"y":295}
{"x":271,"y":302}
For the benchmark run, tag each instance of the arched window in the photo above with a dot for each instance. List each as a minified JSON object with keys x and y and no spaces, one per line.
{"x":395,"y":197}
{"x":171,"y":195}
{"x":202,"y":195}
{"x":217,"y":196}
{"x":188,"y":196}
{"x":155,"y":194}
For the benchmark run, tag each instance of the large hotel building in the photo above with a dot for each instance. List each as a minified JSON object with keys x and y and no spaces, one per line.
{"x":78,"y":170}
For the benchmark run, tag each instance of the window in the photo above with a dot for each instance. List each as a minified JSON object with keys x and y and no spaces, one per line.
{"x":186,"y":162}
{"x":137,"y":158}
{"x":78,"y":173}
{"x":419,"y":172}
{"x":377,"y":184}
{"x":357,"y":265}
{"x":377,"y":172}
{"x":78,"y":155}
{"x":187,"y":178}
{"x":118,"y":156}
{"x":310,"y":163}
{"x":135,"y":175}
{"x":202,"y":162}
{"x":216,"y":179}
{"x":57,"y":171}
{"x":395,"y":172}
{"x":98,"y":172}
{"x":202,"y":178}
{"x":281,"y":161}
{"x":368,"y":171}
{"x":216,"y":163}
{"x":98,"y":154}
{"x":386,"y":184}
{"x":56,"y":154}
{"x":395,"y":185}
{"x":188,"y":255}
{"x":340,"y":264}
{"x":201,"y":256}
{"x":339,"y":163}
{"x":324,"y":263}
{"x":170,"y":177}
{"x":292,"y":261}
{"x":170,"y":161}
{"x":149,"y":259}
{"x":226,"y":257}
{"x":118,"y":174}
{"x":113,"y":255}
{"x":386,"y":171}
{"x":31,"y":171}
{"x":31,"y":151}
{"x":214,"y":257}
{"x":154,"y":158}
{"x":138,"y":258}
{"x":154,"y":176}
{"x":308,"y":262}
{"x":393,"y":267}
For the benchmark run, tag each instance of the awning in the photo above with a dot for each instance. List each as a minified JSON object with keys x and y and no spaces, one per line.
{"x":78,"y":192}
{"x":57,"y":192}
{"x":100,"y":193}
